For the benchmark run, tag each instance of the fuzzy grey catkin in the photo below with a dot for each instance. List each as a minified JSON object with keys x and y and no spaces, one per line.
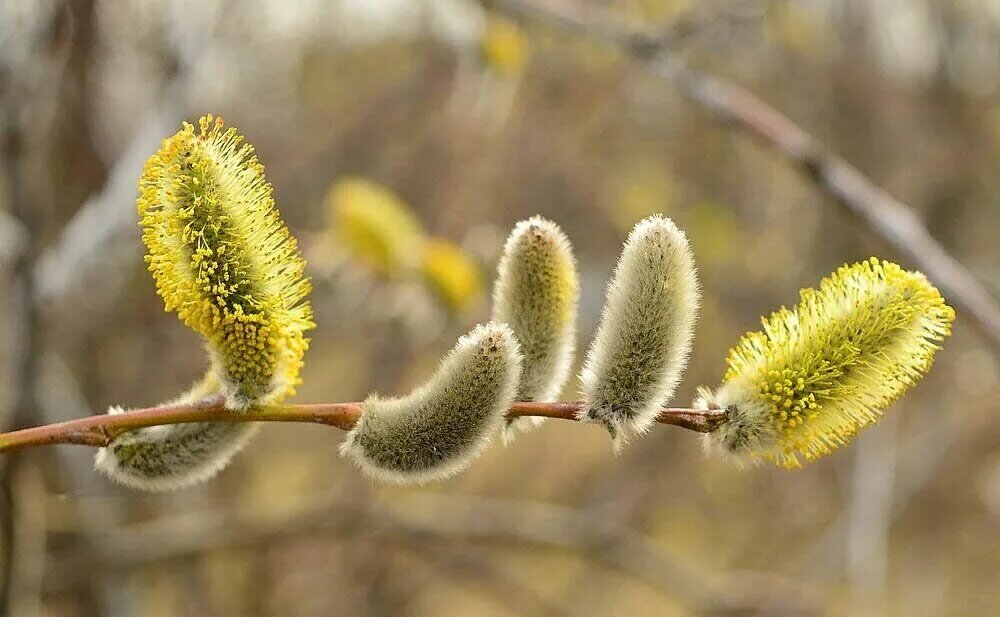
{"x":536,"y":294}
{"x":164,"y":458}
{"x":642,"y":344}
{"x":437,"y":430}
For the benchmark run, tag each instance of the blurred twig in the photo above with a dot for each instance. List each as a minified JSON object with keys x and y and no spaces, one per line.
{"x":92,"y":253}
{"x":92,"y":247}
{"x":60,"y":397}
{"x":24,"y":321}
{"x":428,"y":516}
{"x":49,"y":89}
{"x":612,"y":545}
{"x":871,"y":518}
{"x":100,"y":430}
{"x":889,"y":218}
{"x":12,"y":237}
{"x":507,"y":590}
{"x":29,"y":545}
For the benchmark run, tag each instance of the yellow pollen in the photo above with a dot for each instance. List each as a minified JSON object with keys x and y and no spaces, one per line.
{"x":223,"y":259}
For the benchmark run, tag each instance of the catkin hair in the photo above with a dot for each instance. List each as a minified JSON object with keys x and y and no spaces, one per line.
{"x":441,"y":427}
{"x":536,"y":294}
{"x":170,"y":457}
{"x":642,"y":343}
{"x":820,"y":372}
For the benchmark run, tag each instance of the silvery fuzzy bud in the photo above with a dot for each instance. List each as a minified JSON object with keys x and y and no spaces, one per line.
{"x":536,"y":294}
{"x":438,"y":429}
{"x":642,"y":344}
{"x":174,"y":456}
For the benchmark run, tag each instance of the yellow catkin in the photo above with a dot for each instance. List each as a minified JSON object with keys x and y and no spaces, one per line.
{"x":817,"y":374}
{"x":224,"y":261}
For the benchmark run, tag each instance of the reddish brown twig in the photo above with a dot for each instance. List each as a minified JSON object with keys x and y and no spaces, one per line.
{"x":98,"y":431}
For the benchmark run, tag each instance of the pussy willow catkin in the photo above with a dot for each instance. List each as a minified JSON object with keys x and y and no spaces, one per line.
{"x":224,"y":261}
{"x":163,"y":458}
{"x":641,"y":348}
{"x":817,"y":374}
{"x":437,"y":430}
{"x":536,"y":294}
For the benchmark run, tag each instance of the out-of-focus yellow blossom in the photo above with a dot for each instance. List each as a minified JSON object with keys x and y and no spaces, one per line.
{"x":376,"y":226}
{"x":452,"y":274}
{"x":504,"y":46}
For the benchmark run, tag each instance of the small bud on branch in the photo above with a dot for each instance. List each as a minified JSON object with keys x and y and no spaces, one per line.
{"x":438,"y":429}
{"x":642,"y":344}
{"x":163,"y":458}
{"x":536,"y":294}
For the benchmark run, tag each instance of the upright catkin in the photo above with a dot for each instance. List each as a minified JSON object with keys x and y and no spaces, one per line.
{"x":536,"y":294}
{"x":642,"y":343}
{"x":223,"y":259}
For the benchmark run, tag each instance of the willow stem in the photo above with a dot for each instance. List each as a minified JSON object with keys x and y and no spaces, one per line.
{"x":99,"y":431}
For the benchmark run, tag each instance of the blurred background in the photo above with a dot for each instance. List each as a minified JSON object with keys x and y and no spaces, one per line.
{"x":404,"y":140}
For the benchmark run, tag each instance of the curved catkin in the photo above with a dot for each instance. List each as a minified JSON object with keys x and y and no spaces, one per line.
{"x":642,"y":344}
{"x":536,"y":294}
{"x":438,"y":429}
{"x":817,"y":374}
{"x":163,"y":458}
{"x":223,"y":259}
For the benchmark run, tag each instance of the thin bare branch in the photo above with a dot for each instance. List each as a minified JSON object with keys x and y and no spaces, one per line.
{"x":892,"y":220}
{"x":99,"y":431}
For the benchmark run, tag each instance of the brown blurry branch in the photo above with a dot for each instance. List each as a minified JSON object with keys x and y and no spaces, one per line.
{"x":463,"y":519}
{"x":100,"y":430}
{"x":24,"y":322}
{"x":95,"y":243}
{"x":892,"y":220}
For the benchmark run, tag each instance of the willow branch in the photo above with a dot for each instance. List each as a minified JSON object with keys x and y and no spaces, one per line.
{"x":99,"y":431}
{"x":890,"y":219}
